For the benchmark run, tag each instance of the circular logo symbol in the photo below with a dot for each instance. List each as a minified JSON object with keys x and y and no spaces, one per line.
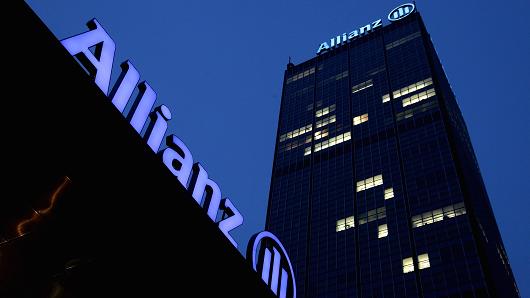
{"x":270,"y":260}
{"x":401,"y":11}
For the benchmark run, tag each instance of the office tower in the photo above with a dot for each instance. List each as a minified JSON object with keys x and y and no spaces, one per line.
{"x":375,"y":189}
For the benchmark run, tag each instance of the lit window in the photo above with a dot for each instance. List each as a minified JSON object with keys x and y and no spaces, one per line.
{"x":350,"y":222}
{"x":326,"y":121}
{"x":412,"y":88}
{"x":417,"y":221}
{"x":296,"y":132}
{"x":345,"y":223}
{"x":362,"y":86}
{"x":307,"y":151}
{"x":437,"y":215}
{"x":423,"y":261}
{"x":429,"y":217}
{"x":382,"y":231}
{"x":321,"y":134}
{"x":369,"y":183}
{"x":459,"y":209}
{"x":389,"y":193}
{"x":386,"y":98}
{"x":325,"y":111}
{"x":449,"y":211}
{"x":332,"y":141}
{"x":300,"y":75}
{"x":371,"y":215}
{"x":360,"y":119}
{"x":418,"y":97}
{"x":341,"y":225}
{"x":408,"y":265}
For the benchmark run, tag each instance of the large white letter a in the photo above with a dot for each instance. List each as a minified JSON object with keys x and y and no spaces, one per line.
{"x":99,"y":64}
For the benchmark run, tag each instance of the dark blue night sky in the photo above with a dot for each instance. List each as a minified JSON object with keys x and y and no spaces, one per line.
{"x":219,"y":67}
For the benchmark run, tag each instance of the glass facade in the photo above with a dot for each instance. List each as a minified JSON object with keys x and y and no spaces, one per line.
{"x":381,"y":195}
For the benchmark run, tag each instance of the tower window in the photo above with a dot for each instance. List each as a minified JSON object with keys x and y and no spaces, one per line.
{"x":360,"y":119}
{"x":382,"y":231}
{"x":423,"y":261}
{"x":369,"y":183}
{"x":389,"y":193}
{"x":408,"y":265}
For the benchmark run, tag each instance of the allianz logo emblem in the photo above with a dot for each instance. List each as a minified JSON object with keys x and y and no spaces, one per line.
{"x":401,"y":11}
{"x":269,"y":258}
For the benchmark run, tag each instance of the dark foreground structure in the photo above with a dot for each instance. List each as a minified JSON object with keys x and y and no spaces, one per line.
{"x":87,"y":209}
{"x":375,"y":190}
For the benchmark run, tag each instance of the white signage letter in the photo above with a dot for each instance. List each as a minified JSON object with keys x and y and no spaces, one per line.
{"x":376,"y":24}
{"x":157,"y":127}
{"x":353,"y":34}
{"x":203,"y":187}
{"x":233,"y":220}
{"x":124,"y":86}
{"x":98,"y":65}
{"x":177,"y":158}
{"x":323,"y":47}
{"x":141,"y":106}
{"x":365,"y":29}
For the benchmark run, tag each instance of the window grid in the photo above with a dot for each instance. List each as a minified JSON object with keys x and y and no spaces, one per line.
{"x":326,"y":121}
{"x":382,"y":231}
{"x":412,"y":88}
{"x":300,"y":75}
{"x":418,"y":97}
{"x":369,"y":183}
{"x":437,"y":215}
{"x":321,"y":134}
{"x":345,"y":224}
{"x":295,"y":144}
{"x":408,"y":265}
{"x":333,"y":141}
{"x":296,"y":132}
{"x":423,"y":261}
{"x":362,"y":86}
{"x":371,"y":215}
{"x":408,"y":89}
{"x":403,"y":40}
{"x":419,"y":109}
{"x":325,"y":111}
{"x":360,"y":119}
{"x":389,"y":193}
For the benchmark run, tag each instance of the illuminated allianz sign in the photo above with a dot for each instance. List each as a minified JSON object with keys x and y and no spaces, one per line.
{"x":396,"y":14}
{"x":266,"y":252}
{"x":177,"y":157}
{"x":401,"y":11}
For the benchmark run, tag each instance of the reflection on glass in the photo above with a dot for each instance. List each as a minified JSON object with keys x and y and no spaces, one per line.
{"x":39,"y":213}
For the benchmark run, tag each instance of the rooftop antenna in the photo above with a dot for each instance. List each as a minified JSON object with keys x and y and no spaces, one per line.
{"x":290,"y":64}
